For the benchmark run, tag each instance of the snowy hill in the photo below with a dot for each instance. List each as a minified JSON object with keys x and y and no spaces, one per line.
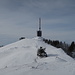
{"x":20,"y":58}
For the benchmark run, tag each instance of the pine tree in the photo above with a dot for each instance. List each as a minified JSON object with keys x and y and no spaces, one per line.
{"x":71,"y":48}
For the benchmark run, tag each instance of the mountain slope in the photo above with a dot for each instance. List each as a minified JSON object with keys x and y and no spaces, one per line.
{"x":20,"y":58}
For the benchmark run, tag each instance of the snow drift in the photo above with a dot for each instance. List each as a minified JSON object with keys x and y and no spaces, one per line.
{"x":20,"y":58}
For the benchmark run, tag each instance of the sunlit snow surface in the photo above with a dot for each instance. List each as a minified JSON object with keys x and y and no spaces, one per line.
{"x":20,"y":58}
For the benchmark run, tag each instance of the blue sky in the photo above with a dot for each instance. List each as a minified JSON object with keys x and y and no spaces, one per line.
{"x":20,"y":18}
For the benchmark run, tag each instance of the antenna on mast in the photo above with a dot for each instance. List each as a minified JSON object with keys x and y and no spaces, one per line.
{"x":39,"y":33}
{"x":39,"y":24}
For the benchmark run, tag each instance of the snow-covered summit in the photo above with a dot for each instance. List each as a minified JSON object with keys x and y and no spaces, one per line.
{"x":20,"y":58}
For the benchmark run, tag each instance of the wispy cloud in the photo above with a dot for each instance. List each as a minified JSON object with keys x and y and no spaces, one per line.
{"x":20,"y":18}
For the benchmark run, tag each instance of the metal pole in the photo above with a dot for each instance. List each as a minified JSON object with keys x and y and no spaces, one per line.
{"x":39,"y":24}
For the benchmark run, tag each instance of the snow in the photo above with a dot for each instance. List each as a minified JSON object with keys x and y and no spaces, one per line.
{"x":20,"y":58}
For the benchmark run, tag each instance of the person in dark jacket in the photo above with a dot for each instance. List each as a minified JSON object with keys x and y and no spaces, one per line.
{"x":41,"y":52}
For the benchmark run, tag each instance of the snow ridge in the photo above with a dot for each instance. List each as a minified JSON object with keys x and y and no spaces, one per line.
{"x":20,"y":58}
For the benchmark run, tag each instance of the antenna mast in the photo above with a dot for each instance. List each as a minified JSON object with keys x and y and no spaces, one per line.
{"x":39,"y":32}
{"x":39,"y":24}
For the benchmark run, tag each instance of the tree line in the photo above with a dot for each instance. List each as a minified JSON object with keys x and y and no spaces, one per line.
{"x":68,"y":49}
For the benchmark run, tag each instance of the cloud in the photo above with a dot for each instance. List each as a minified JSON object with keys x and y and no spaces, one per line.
{"x":20,"y":18}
